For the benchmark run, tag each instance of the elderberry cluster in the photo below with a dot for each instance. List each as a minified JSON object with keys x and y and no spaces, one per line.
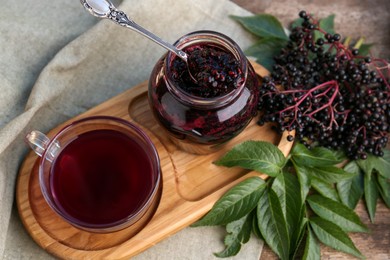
{"x":329,"y":94}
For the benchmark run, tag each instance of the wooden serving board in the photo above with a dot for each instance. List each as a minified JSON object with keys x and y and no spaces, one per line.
{"x":191,"y":185}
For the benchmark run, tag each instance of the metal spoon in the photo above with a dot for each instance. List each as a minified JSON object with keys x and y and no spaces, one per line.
{"x":106,"y":9}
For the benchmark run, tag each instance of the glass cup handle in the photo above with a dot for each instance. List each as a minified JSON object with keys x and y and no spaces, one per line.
{"x":39,"y":143}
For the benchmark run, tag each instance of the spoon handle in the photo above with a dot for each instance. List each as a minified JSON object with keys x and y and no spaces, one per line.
{"x":105,"y":9}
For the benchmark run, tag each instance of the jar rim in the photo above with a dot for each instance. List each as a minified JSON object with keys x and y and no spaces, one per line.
{"x":200,"y":37}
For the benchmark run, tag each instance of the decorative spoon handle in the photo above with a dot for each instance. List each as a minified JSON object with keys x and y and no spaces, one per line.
{"x":106,"y":9}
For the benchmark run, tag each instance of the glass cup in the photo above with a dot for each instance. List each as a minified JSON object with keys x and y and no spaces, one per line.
{"x":100,"y":174}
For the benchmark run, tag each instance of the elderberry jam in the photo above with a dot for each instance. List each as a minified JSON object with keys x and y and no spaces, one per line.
{"x":215,"y":71}
{"x":204,"y":109}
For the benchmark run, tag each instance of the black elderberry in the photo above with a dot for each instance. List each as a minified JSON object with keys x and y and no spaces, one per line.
{"x":303,"y":14}
{"x":355,"y":52}
{"x":333,"y":98}
{"x":329,"y":36}
{"x":336,"y":37}
{"x":320,"y":41}
{"x":367,"y":59}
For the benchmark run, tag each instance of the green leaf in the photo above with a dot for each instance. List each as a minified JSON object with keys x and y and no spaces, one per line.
{"x":367,"y":165}
{"x":255,"y":226}
{"x":326,"y":24}
{"x":272,"y":223}
{"x":304,"y":178}
{"x":239,"y":232}
{"x":333,"y":236}
{"x":299,"y":235}
{"x":336,"y":212}
{"x":312,"y":248}
{"x":236,"y":203}
{"x":255,"y":155}
{"x":330,"y":174}
{"x":351,"y":190}
{"x":262,"y":25}
{"x":232,"y":247}
{"x":286,"y":187}
{"x":381,"y":164}
{"x":325,"y":189}
{"x":384,"y":189}
{"x":364,"y":49}
{"x":265,"y":50}
{"x":371,"y":195}
{"x":296,"y":23}
{"x":318,"y":156}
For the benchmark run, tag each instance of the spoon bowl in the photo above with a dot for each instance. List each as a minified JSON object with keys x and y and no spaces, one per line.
{"x":100,"y":8}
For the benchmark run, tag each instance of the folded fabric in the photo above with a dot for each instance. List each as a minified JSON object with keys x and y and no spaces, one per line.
{"x":58,"y":61}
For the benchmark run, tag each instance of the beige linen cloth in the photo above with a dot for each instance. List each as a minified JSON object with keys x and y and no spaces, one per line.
{"x":58,"y":61}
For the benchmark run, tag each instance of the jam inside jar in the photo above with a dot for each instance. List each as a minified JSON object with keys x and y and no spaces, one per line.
{"x":210,"y":101}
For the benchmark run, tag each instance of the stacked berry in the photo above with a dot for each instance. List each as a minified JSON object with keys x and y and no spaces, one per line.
{"x":330,"y":95}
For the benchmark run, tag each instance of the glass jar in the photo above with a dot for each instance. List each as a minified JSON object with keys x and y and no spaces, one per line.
{"x":202,"y":123}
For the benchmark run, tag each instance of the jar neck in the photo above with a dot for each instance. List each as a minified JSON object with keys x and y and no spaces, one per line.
{"x":214,"y":39}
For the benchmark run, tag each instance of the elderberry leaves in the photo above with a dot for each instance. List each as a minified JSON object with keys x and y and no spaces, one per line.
{"x":255,"y":155}
{"x":336,"y":212}
{"x":384,"y":189}
{"x":317,"y":163}
{"x":381,"y":164}
{"x":326,"y":24}
{"x":376,"y":182}
{"x":333,"y":236}
{"x":235,"y":204}
{"x":265,"y":50}
{"x":263,"y":25}
{"x":371,"y":195}
{"x":351,"y":190}
{"x":312,"y":247}
{"x":295,"y":206}
{"x":239,"y":232}
{"x":272,"y":224}
{"x":364,"y":49}
{"x":318,"y":156}
{"x":330,"y":174}
{"x":286,"y":187}
{"x":271,"y":37}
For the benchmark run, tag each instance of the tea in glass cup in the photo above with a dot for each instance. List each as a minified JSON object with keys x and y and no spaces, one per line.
{"x":100,"y":174}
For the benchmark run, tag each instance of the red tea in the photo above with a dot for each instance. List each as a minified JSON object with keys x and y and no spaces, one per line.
{"x":101,"y":177}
